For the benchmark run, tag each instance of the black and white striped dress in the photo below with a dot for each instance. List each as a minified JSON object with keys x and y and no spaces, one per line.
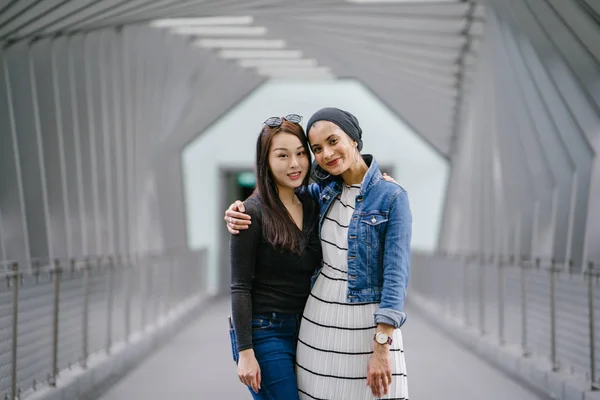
{"x":336,"y":338}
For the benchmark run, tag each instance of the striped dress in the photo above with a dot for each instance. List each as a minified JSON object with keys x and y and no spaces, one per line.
{"x":336,"y":338}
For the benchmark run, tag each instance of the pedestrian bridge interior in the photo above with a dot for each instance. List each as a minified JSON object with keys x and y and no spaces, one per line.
{"x":125,"y":133}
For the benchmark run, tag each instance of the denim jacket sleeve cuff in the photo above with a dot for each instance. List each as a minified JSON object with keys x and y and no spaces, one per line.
{"x":390,"y":317}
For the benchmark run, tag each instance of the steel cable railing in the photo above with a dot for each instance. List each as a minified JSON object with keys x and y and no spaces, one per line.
{"x":544,"y":308}
{"x":54,"y":315}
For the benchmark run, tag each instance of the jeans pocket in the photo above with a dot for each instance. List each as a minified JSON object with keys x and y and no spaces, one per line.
{"x":261,"y":323}
{"x":234,"y":350}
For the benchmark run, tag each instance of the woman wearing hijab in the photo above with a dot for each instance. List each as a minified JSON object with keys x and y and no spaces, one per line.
{"x":350,"y":342}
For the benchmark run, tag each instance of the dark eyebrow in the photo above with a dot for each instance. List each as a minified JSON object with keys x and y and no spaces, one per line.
{"x":279,"y":148}
{"x":330,"y":136}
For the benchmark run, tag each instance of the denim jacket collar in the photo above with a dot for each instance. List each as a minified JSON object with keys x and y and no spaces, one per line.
{"x":373,"y":174}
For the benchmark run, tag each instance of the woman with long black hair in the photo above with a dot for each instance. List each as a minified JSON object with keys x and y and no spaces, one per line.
{"x":272,"y":262}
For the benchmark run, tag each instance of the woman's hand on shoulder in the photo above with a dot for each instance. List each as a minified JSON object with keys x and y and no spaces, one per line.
{"x":248,"y":370}
{"x":389,"y":178}
{"x":236,"y":218}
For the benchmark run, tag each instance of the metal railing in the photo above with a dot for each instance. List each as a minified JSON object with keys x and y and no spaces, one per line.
{"x":55,"y":315}
{"x":541,"y":308}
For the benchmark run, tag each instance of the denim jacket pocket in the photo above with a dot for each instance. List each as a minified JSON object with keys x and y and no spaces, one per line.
{"x":372,"y":228}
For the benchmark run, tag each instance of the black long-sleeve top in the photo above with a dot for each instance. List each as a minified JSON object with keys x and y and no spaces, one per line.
{"x":266,"y":279}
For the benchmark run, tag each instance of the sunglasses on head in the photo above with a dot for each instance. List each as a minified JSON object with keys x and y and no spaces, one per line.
{"x":274,"y":122}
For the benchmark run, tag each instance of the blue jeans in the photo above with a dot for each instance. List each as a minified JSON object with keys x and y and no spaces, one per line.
{"x":274,"y":338}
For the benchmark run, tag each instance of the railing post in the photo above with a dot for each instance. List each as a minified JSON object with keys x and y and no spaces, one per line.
{"x":482,"y":294}
{"x":155,"y":286}
{"x":57,"y":277}
{"x":86,"y":316}
{"x":201,"y":271}
{"x":177,"y":280}
{"x":152,"y":294}
{"x":37,"y":270}
{"x":109,"y":306}
{"x":142,"y":271}
{"x":15,"y":328}
{"x":170,"y":265}
{"x":500,"y":264}
{"x":466,"y":297}
{"x":592,"y":326}
{"x":524,"y":343}
{"x":553,"y":355}
{"x":127,"y":269}
{"x":162,"y":273}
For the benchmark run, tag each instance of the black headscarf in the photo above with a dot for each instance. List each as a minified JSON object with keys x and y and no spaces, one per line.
{"x":346,"y":121}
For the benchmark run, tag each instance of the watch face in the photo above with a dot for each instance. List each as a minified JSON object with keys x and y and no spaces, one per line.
{"x":381,"y":338}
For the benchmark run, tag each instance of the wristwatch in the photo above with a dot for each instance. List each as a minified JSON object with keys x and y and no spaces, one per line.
{"x":382,"y":338}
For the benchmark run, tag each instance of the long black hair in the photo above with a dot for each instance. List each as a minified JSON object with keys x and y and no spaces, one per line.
{"x":278,"y":225}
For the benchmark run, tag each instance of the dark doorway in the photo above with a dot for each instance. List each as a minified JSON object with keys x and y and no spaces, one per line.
{"x":237,"y":184}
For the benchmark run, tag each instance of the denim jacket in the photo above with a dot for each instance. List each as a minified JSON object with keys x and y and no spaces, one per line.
{"x":378,"y":242}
